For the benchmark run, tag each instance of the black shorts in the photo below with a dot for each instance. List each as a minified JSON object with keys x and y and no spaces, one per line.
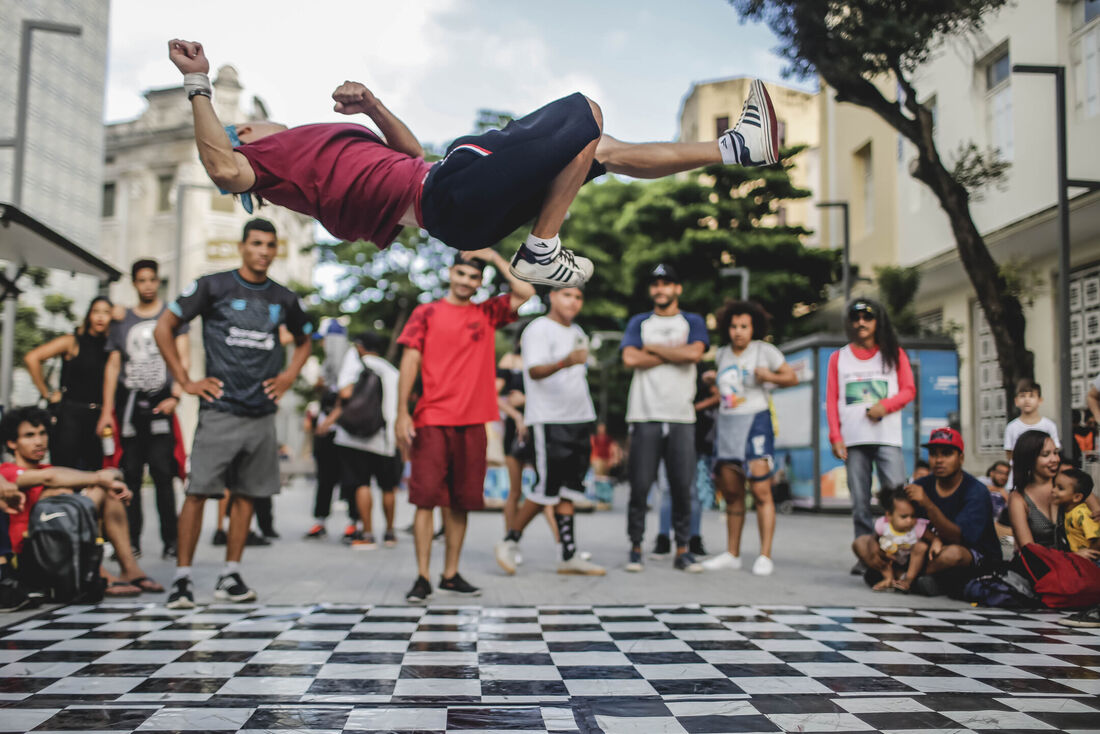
{"x":491,"y":184}
{"x":358,"y":467}
{"x":562,"y":455}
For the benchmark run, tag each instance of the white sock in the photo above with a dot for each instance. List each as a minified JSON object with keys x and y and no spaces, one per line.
{"x":182,"y":572}
{"x":541,"y":247}
{"x":231,"y":567}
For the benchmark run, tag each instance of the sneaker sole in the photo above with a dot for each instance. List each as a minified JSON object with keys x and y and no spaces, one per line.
{"x":502,"y":562}
{"x":221,"y":595}
{"x":455,"y":592}
{"x":635,"y":567}
{"x":1078,"y":624}
{"x":364,"y":546}
{"x":181,"y":604}
{"x":580,"y":572}
{"x":771,"y":128}
{"x":417,"y":600}
{"x":535,"y":280}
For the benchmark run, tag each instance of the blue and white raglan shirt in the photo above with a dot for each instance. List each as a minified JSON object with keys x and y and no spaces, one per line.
{"x":665,"y":393}
{"x":240,"y":334}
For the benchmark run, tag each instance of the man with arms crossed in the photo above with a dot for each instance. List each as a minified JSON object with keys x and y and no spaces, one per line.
{"x":137,"y":386}
{"x":451,"y":344}
{"x":235,"y":445}
{"x":559,"y":416}
{"x":363,"y":187}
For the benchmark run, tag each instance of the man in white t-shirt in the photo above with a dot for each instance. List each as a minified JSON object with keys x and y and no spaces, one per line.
{"x":364,"y":457}
{"x":1029,"y":396}
{"x":662,"y":347}
{"x":559,"y":416}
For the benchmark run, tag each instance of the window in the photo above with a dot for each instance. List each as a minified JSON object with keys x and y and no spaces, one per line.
{"x":865,"y":173}
{"x":931,"y":322}
{"x":1084,"y":331}
{"x":164,"y":192}
{"x":721,"y":124}
{"x":108,"y":210}
{"x":989,"y":394}
{"x":999,"y":104}
{"x":1085,"y":64}
{"x":1092,"y":10}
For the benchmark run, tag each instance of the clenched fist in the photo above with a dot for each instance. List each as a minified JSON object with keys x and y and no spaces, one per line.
{"x":352,"y":98}
{"x":188,"y":56}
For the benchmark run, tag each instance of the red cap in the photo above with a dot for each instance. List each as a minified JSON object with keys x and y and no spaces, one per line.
{"x":945,"y":437}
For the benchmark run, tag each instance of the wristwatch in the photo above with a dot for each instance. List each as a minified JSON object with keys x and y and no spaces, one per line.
{"x":191,"y":95}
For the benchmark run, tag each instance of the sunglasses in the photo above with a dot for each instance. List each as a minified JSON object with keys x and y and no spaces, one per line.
{"x":861,"y":316}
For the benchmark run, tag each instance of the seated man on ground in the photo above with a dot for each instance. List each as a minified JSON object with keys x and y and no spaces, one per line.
{"x":959,"y":513}
{"x":361,"y":186}
{"x":24,"y":431}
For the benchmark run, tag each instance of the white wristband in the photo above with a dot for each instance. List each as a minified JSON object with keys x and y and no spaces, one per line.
{"x":200,"y":82}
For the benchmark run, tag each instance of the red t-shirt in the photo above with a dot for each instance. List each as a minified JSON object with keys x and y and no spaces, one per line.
{"x":341,"y":174}
{"x":18,"y":523}
{"x":458,"y":366}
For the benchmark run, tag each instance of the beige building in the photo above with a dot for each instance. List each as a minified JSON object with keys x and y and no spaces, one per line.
{"x":710,"y":108}
{"x":158,"y":202}
{"x":976,"y":97}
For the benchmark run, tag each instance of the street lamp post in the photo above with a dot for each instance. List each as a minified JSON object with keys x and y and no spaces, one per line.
{"x":743,"y":274}
{"x":19,"y":144}
{"x":1064,"y":183}
{"x":846,"y":268}
{"x":599,"y":338}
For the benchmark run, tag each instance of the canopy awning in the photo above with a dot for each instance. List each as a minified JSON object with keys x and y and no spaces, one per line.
{"x":26,"y":241}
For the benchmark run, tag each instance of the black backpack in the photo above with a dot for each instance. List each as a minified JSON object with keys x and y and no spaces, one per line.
{"x":63,"y":551}
{"x":361,"y":415}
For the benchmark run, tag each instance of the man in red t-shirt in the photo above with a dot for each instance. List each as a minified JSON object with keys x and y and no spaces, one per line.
{"x":451,"y":345}
{"x":362,"y":187}
{"x":24,"y":432}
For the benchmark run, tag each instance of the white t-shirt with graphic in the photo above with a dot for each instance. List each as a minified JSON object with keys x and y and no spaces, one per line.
{"x":738,"y":391}
{"x":562,"y":397}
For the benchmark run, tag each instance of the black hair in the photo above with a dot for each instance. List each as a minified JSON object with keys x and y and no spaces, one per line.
{"x":9,"y":426}
{"x":372,"y":341}
{"x":995,"y":464}
{"x":461,"y":258}
{"x":260,"y":225}
{"x":760,"y":318}
{"x":86,"y":324}
{"x":1082,"y":482}
{"x":1029,"y":385}
{"x":1025,"y":455}
{"x":889,"y":495}
{"x":142,"y":264}
{"x":922,"y":464}
{"x":886,"y":339}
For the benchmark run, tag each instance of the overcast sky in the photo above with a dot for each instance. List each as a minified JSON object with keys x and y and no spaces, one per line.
{"x":436,"y":62}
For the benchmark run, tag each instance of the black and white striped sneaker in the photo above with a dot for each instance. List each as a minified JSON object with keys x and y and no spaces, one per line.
{"x":231,"y":587}
{"x":754,"y":140}
{"x":560,"y":270}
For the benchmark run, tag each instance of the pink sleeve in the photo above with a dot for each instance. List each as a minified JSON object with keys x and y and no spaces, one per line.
{"x":922,"y":527}
{"x":831,"y":392}
{"x":907,"y":390}
{"x":880,"y":525}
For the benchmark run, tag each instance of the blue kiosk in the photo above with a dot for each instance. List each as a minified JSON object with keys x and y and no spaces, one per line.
{"x":818,"y":480}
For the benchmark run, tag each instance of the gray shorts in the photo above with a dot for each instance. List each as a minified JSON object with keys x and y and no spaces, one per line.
{"x":235,"y":452}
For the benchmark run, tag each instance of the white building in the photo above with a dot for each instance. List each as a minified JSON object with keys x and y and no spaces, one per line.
{"x":159,"y":203}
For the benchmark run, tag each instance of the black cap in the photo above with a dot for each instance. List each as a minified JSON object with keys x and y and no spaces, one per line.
{"x":861,"y":307}
{"x":665,"y":272}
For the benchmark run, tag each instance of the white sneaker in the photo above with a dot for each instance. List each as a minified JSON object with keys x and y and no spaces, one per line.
{"x":505,"y":552}
{"x":754,"y":140}
{"x":560,"y":270}
{"x":578,"y":566}
{"x":723,"y":562}
{"x":763,"y":566}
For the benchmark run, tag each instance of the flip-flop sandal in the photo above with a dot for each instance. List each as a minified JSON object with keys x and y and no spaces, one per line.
{"x":147,"y":585}
{"x":121,"y":589}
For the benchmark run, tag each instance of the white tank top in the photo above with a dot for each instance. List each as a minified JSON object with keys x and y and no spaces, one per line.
{"x":860,"y":384}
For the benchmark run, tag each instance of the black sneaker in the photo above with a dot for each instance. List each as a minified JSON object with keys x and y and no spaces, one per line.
{"x":858,"y":569}
{"x":662,"y":547}
{"x":927,"y":586}
{"x":695,"y":546}
{"x":351,"y":534}
{"x":316,"y":532}
{"x":231,"y":587}
{"x":13,"y":597}
{"x":1086,"y":618}
{"x":686,"y":562}
{"x":256,"y":539}
{"x":271,"y":534}
{"x":168,"y":552}
{"x":182,"y":596}
{"x":458,"y":585}
{"x":219,"y":537}
{"x":420,"y":592}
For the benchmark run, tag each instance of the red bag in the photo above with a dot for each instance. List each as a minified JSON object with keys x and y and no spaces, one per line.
{"x":1062,"y":580}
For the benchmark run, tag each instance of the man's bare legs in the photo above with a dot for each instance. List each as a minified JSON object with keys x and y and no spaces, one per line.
{"x":116,"y":527}
{"x":240,"y":518}
{"x":454,"y":526}
{"x":365,"y":504}
{"x":655,"y":160}
{"x":423,"y":530}
{"x":731,"y":483}
{"x":188,"y":527}
{"x":764,"y":504}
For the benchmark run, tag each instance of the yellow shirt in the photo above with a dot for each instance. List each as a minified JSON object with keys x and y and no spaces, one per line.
{"x":1081,"y":529}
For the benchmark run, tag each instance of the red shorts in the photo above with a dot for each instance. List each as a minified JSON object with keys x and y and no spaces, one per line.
{"x":448,"y":467}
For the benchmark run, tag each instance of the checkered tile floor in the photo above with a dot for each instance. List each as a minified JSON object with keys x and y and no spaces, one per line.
{"x":644,"y":670}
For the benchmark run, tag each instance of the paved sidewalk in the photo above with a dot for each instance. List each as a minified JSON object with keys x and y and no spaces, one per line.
{"x":811,"y":554}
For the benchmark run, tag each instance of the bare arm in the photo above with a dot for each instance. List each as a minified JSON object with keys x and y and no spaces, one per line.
{"x":946,"y":530}
{"x":352,"y":98}
{"x":227,"y":168}
{"x":60,"y":477}
{"x":275,"y":387}
{"x":783,"y":377}
{"x":34,"y":359}
{"x":408,"y":371}
{"x":636,"y":358}
{"x":209,"y":388}
{"x":542,"y":371}
{"x":110,"y":388}
{"x":183,"y":347}
{"x":1017,"y":515}
{"x":686,"y":354}
{"x":1093,"y":401}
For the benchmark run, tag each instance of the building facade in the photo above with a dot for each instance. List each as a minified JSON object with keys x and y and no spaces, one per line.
{"x":158,"y":202}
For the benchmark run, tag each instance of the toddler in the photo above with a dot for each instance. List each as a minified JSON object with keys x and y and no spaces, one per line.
{"x":904,"y":539}
{"x":1071,"y":487}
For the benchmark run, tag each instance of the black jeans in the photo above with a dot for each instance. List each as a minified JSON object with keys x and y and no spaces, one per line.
{"x":649,"y":443}
{"x":155,"y":451}
{"x":327,"y":459}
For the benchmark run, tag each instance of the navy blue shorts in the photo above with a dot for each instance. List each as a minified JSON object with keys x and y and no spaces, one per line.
{"x":491,"y":184}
